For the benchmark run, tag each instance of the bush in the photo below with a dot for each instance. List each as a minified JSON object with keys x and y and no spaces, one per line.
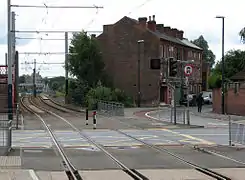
{"x":107,"y":94}
{"x":214,"y":81}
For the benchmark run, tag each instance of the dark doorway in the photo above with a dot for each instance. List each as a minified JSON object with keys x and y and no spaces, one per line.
{"x":162,"y":94}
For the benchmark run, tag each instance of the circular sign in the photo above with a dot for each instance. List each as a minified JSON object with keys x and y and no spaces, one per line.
{"x":188,"y":70}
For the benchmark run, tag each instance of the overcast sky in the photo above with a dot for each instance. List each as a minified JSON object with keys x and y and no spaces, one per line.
{"x":195,"y":17}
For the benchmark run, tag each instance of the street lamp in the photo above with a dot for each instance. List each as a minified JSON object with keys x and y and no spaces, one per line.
{"x":138,"y":84}
{"x":223,"y":64}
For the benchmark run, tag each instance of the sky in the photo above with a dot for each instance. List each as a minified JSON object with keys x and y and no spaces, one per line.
{"x":194,"y":17}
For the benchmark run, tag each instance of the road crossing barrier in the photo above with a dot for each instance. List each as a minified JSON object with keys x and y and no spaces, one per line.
{"x":237,"y":133}
{"x":86,"y":116}
{"x":94,"y":119}
{"x":110,"y":108}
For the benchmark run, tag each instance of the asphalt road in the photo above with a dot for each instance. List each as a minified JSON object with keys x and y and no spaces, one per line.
{"x":214,"y":130}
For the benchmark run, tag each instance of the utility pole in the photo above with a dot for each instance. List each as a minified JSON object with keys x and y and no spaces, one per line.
{"x":223,"y":64}
{"x":138,"y":76}
{"x":66,"y":67}
{"x":6,"y":59}
{"x":34,"y":79}
{"x":17,"y":76}
{"x":10,"y":80}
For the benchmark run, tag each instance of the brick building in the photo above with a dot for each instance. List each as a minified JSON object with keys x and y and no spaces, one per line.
{"x":121,"y":51}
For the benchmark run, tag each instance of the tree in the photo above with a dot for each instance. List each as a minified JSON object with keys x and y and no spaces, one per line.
{"x":86,"y":64}
{"x":208,"y":55}
{"x":234,"y":63}
{"x":242,"y":35}
{"x":55,"y":86}
{"x":22,"y":79}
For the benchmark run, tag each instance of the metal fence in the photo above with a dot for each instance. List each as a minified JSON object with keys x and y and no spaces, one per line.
{"x":5,"y":134}
{"x":181,"y":115}
{"x":110,"y":108}
{"x":237,"y":133}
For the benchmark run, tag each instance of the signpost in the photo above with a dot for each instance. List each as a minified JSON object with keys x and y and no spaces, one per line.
{"x":188,"y":69}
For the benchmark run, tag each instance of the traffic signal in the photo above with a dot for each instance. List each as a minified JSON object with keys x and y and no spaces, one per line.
{"x":172,"y":67}
{"x":155,"y":63}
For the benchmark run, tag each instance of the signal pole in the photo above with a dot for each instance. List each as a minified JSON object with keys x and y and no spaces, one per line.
{"x":34,"y":79}
{"x":66,"y":67}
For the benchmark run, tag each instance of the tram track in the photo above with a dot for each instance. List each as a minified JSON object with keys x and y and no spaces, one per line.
{"x":136,"y":175}
{"x":195,"y":166}
{"x":71,"y":171}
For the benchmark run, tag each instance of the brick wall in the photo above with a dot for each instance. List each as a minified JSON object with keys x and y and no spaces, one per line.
{"x":234,"y":101}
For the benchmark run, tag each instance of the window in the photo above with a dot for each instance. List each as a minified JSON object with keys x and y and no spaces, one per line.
{"x":194,"y":55}
{"x":178,"y":54}
{"x":161,"y":51}
{"x":190,"y":54}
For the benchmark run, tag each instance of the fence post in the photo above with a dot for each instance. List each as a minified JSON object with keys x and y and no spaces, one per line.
{"x":184,"y":115}
{"x":17,"y":116}
{"x":94,"y":119}
{"x":229,"y":130}
{"x":87,"y":116}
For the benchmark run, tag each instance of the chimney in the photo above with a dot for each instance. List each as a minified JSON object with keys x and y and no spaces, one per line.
{"x":93,"y":36}
{"x":152,"y":24}
{"x":160,"y":28}
{"x":167,"y":30}
{"x":175,"y":32}
{"x":180,"y":34}
{"x":142,"y":21}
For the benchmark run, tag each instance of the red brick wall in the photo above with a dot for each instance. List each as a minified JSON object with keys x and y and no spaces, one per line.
{"x":234,"y":102}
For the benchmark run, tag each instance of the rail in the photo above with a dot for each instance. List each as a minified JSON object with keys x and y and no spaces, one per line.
{"x":131,"y":172}
{"x":70,"y":169}
{"x":198,"y":167}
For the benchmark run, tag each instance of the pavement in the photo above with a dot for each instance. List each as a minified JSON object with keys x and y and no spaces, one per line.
{"x":153,"y":174}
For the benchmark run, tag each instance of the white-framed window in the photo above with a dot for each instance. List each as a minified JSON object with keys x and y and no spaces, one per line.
{"x":161,"y":52}
{"x":194,"y":55}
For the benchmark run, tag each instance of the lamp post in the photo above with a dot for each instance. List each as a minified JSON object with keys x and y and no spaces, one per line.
{"x":223,"y":64}
{"x":138,"y":78}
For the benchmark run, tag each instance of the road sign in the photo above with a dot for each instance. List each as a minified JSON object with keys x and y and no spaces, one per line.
{"x":188,"y":69}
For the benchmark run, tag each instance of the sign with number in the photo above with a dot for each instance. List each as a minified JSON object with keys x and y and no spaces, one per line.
{"x":188,"y":69}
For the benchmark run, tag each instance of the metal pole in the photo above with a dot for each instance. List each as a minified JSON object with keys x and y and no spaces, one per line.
{"x":223,"y":69}
{"x":66,"y":67}
{"x":34,"y":79}
{"x":175,"y":113}
{"x":230,"y":131}
{"x":10,"y":81}
{"x":138,"y":84}
{"x":6,"y":59}
{"x":13,"y":36}
{"x":17,"y":87}
{"x":188,"y":104}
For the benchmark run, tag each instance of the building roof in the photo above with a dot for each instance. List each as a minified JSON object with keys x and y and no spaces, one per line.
{"x":240,"y":76}
{"x":183,"y":42}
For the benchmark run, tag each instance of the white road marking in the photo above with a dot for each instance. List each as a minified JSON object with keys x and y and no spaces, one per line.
{"x":33,"y":175}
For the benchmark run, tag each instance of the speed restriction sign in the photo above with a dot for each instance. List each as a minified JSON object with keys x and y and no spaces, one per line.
{"x":188,"y":69}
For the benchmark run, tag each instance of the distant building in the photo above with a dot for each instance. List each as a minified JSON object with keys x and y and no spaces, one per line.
{"x":121,"y":52}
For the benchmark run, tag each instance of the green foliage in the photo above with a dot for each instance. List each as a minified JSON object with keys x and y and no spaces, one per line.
{"x":242,"y":35}
{"x":214,"y":81}
{"x":77,"y":91}
{"x":87,"y":64}
{"x":107,"y":94}
{"x":55,"y":86}
{"x":22,"y":79}
{"x":208,"y":55}
{"x":234,"y":63}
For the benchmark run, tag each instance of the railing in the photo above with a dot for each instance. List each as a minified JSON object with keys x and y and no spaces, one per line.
{"x":6,"y":135}
{"x":237,"y":133}
{"x":110,"y":108}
